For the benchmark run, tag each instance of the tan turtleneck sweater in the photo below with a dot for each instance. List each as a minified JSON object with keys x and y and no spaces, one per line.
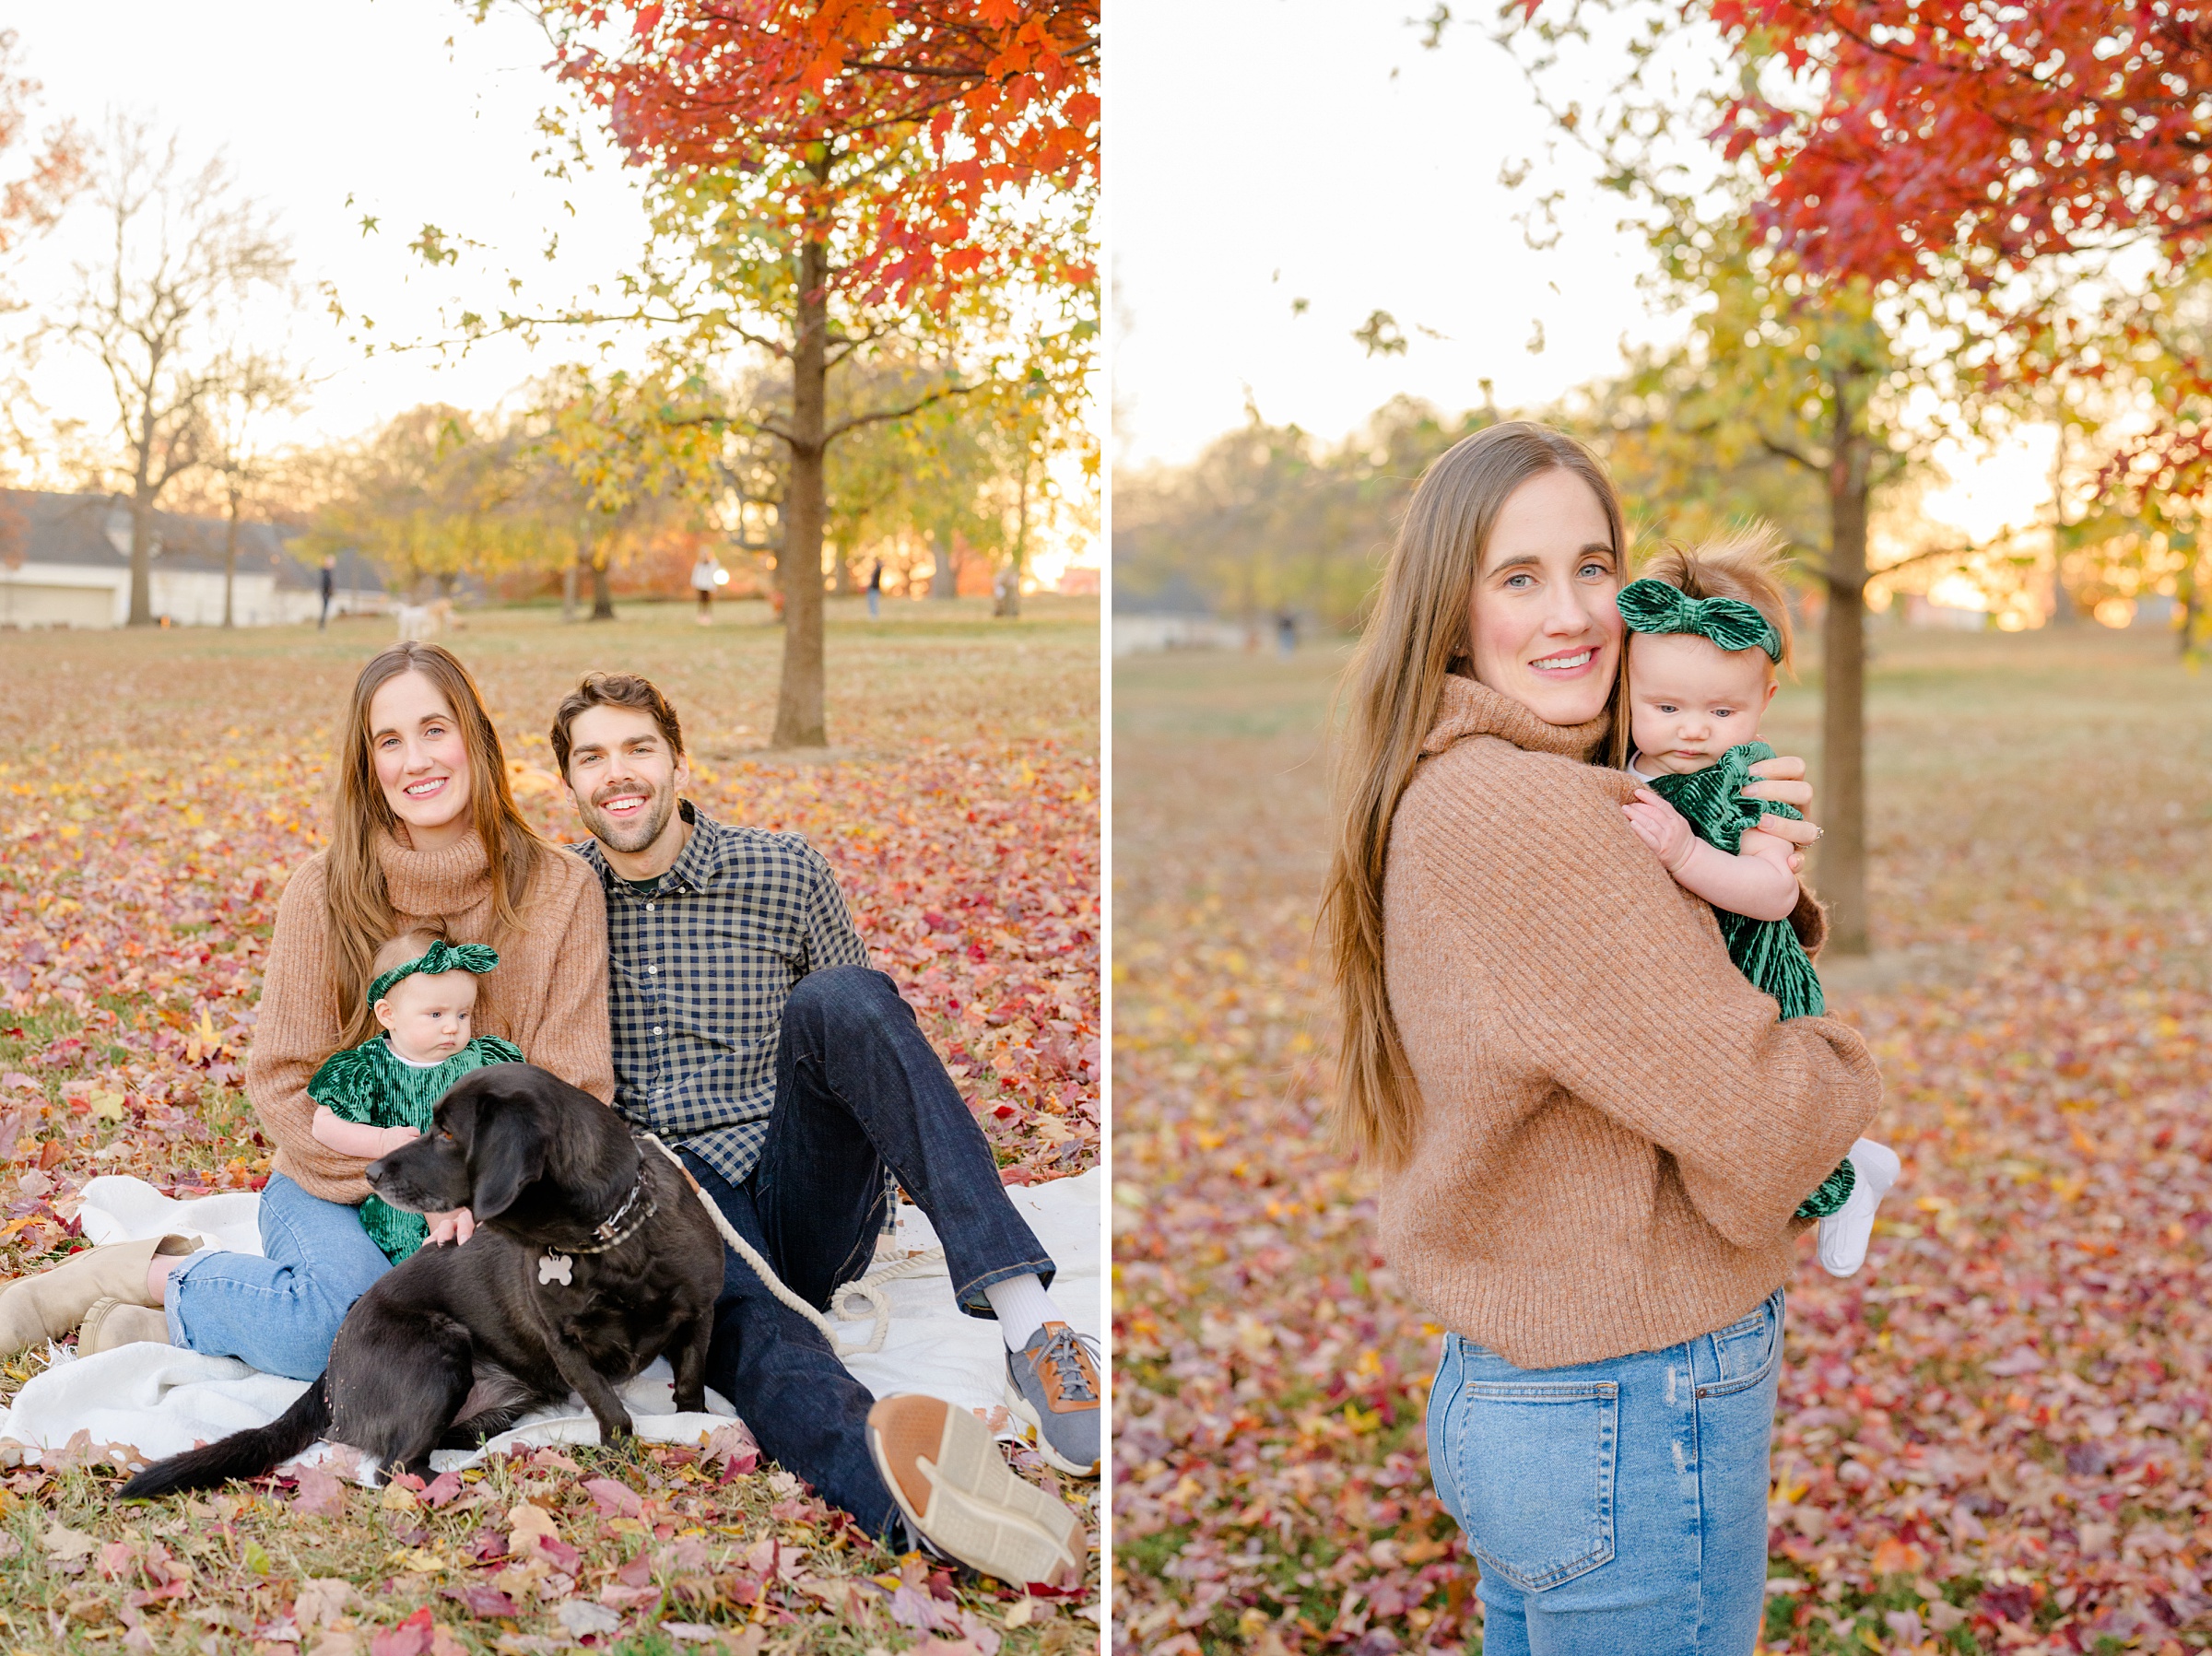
{"x":548,"y":995}
{"x":1614,"y":1130}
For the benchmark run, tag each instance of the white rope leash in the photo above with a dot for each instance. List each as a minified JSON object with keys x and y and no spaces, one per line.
{"x":867,"y":1291}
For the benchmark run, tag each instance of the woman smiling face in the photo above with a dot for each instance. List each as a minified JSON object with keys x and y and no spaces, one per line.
{"x":1542,"y":626}
{"x":422,"y":759}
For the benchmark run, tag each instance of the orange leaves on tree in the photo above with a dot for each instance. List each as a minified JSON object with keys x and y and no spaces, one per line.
{"x":1948,"y":127}
{"x":1001,"y":92}
{"x":1996,"y":157}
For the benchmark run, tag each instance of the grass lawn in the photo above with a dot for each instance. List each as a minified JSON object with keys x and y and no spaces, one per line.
{"x":1993,"y":1437}
{"x":157,"y":789}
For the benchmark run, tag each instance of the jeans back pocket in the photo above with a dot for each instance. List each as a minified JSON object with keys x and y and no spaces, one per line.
{"x":1532,"y":1468}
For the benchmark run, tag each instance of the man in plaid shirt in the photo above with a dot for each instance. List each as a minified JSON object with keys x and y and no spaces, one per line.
{"x":750,"y":1034}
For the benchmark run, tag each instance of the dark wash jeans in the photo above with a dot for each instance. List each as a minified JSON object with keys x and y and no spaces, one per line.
{"x":857,"y":1089}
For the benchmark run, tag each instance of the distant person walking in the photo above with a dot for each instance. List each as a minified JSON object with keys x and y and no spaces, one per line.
{"x":1285,"y":632}
{"x":706,"y":575}
{"x":330,"y":591}
{"x":876,"y":591}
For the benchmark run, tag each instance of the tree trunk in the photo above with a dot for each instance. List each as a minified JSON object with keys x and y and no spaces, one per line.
{"x":1011,"y":605}
{"x":142,"y":551}
{"x":2063,"y":611}
{"x":799,"y":716}
{"x":230,"y":560}
{"x":945,"y":583}
{"x":2190,"y":590}
{"x":1841,"y":805}
{"x":603,"y":590}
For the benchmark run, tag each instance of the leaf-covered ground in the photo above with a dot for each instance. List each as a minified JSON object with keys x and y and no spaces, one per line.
{"x":1993,"y":1438}
{"x":157,"y":789}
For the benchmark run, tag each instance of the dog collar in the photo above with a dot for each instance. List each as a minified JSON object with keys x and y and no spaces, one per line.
{"x":555,"y":1264}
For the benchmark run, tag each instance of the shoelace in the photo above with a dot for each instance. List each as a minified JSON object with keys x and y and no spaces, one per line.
{"x":1065,"y":1350}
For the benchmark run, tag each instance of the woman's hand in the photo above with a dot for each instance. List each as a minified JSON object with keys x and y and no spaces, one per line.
{"x":456,"y":1227}
{"x":1782,"y":780}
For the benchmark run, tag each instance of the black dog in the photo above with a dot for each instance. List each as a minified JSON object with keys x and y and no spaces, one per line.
{"x":594,"y":1256}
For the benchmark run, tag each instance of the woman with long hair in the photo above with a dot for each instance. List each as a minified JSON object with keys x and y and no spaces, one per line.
{"x":424,"y":835}
{"x":1591,"y":1133}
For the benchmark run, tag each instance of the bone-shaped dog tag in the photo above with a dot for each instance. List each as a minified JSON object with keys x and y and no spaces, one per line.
{"x":554,"y":1267}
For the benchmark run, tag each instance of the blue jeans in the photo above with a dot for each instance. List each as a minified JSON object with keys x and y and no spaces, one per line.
{"x":280,"y":1312}
{"x":1616,"y":1506}
{"x":857,"y":1089}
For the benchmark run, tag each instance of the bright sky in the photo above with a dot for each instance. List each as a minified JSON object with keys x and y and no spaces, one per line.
{"x":1260,"y":151}
{"x":1263,"y":151}
{"x":414,"y":111}
{"x":315,"y":103}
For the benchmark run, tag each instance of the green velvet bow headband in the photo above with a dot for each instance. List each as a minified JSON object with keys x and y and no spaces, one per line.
{"x":478,"y":957}
{"x":1649,"y":605}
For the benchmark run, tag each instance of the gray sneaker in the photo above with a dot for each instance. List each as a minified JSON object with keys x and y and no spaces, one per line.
{"x":1052,"y":1383}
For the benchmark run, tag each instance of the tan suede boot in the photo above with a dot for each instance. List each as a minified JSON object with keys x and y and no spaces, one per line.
{"x":34,"y":1309}
{"x":110,"y":1324}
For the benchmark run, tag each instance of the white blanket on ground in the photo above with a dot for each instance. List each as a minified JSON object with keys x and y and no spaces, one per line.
{"x":162,"y":1401}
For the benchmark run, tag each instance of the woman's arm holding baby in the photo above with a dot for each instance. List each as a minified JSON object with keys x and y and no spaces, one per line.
{"x":1756,"y":883}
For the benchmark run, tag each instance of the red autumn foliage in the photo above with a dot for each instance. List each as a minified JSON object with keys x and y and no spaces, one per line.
{"x":45,"y":174}
{"x":2004,"y":156}
{"x":1003,"y":94}
{"x":1996,"y":135}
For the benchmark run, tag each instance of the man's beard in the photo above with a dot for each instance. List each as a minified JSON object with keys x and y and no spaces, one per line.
{"x":636,"y":834}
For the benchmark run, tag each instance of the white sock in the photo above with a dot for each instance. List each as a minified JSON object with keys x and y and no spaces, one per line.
{"x":1023,"y":1308}
{"x":1845,"y":1233}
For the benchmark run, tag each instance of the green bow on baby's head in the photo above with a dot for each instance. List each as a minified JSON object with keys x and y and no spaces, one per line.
{"x":441,"y":955}
{"x":1649,"y":605}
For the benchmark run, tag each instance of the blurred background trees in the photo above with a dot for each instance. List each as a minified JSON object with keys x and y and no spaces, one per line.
{"x":186,"y":251}
{"x":858,"y":327}
{"x":882,"y":211}
{"x":1890,"y":235}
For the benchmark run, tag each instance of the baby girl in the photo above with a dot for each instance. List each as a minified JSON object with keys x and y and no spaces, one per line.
{"x":376,"y":1096}
{"x":1709,"y":630}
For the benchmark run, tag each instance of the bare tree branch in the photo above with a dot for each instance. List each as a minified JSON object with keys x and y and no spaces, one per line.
{"x":185,"y":251}
{"x":1783,"y":450}
{"x":916,"y":407}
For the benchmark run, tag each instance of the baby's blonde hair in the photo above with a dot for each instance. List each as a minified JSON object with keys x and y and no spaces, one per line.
{"x":411,"y":944}
{"x":1744,"y":563}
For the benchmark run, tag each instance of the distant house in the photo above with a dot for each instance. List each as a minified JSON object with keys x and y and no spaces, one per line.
{"x":1175,"y":616}
{"x":65,"y":561}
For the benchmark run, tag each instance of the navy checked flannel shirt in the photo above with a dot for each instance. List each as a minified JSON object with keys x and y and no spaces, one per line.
{"x":698,"y":973}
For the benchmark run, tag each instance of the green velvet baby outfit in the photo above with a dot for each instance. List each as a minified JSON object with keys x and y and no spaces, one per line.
{"x":1711,"y":801}
{"x":373,"y":1086}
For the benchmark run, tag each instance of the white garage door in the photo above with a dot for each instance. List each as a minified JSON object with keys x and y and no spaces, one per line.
{"x":32,"y":604}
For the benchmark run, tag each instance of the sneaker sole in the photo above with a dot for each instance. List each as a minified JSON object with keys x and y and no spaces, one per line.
{"x":1025,"y":1410}
{"x":979,"y":1511}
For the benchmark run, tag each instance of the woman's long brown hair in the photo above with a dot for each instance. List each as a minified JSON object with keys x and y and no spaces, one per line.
{"x":1416,"y":634}
{"x":359,"y":911}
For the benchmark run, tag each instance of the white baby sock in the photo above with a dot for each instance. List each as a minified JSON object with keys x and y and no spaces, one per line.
{"x":1023,"y":1308}
{"x":1845,"y":1233}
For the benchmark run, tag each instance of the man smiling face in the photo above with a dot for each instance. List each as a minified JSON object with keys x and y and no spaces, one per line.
{"x":626,"y":777}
